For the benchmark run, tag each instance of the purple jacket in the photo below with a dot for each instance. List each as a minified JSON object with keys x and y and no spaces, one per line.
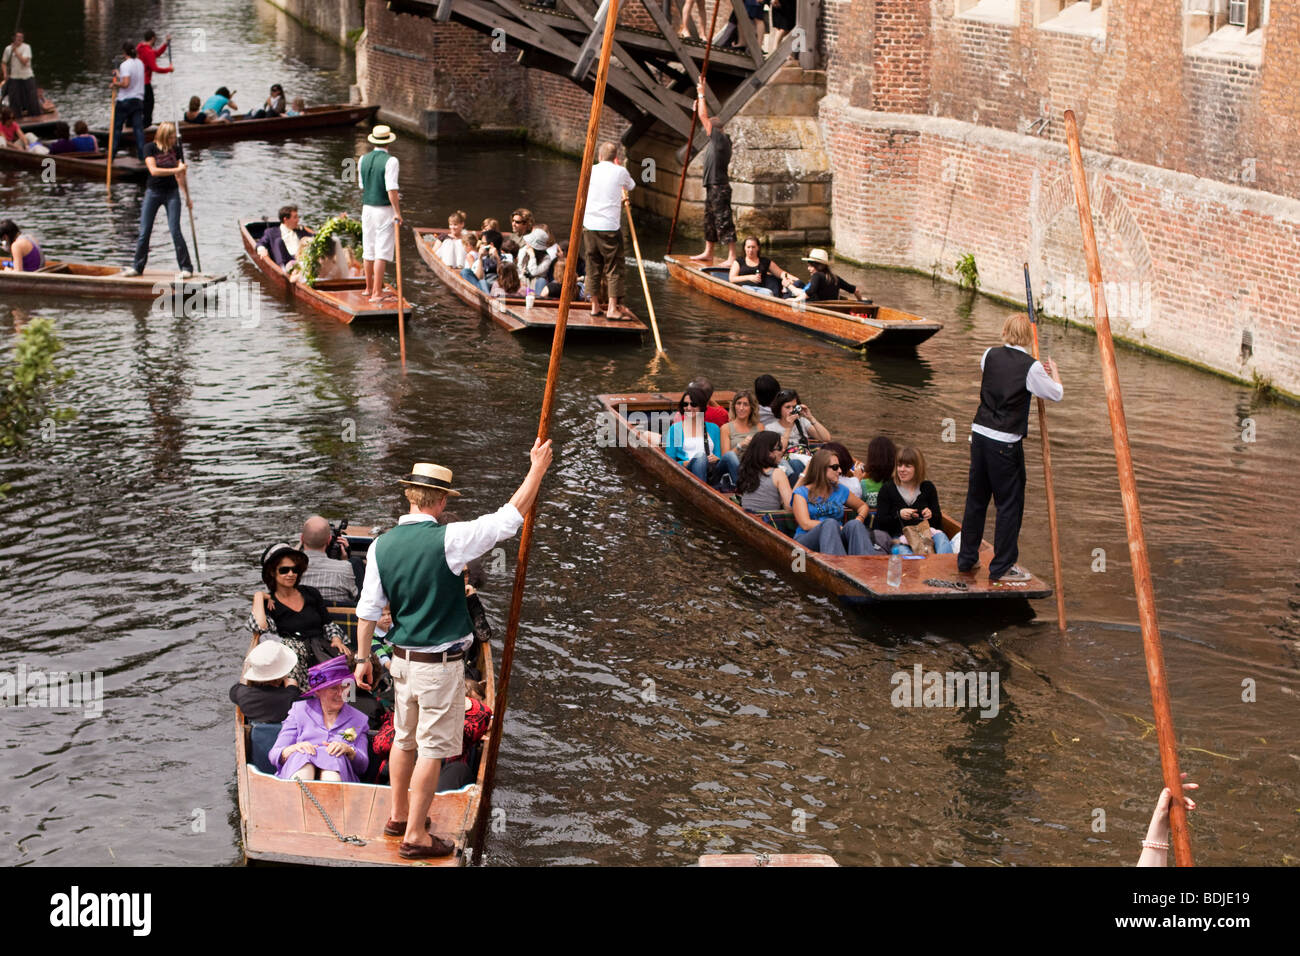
{"x":275,"y":244}
{"x":306,"y":724}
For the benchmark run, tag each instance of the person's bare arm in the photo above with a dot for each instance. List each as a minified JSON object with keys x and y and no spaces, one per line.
{"x":540,"y":456}
{"x":702,"y":108}
{"x":365,"y":634}
{"x":397,"y":211}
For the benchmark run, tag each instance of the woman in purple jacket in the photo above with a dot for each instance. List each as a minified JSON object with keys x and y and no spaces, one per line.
{"x":323,"y":733}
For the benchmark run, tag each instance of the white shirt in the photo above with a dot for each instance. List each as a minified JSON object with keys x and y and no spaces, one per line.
{"x":464,"y":541}
{"x":17,"y":70}
{"x":605,"y":197}
{"x":452,"y":252}
{"x":132,"y":70}
{"x":390,"y":171}
{"x":1036,"y":380}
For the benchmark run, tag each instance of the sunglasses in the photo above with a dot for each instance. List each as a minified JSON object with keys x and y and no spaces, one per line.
{"x":290,"y":569}
{"x":688,"y":404}
{"x":835,"y":467}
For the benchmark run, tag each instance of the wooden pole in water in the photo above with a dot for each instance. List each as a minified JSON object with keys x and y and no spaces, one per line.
{"x":1137,"y":545}
{"x":645,"y":286}
{"x":401,"y":313}
{"x":1048,"y":482}
{"x":567,"y":288}
{"x":695,"y":117}
{"x":112,"y":128}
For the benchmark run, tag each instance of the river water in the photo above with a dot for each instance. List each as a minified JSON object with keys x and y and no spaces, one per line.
{"x":673,"y":695}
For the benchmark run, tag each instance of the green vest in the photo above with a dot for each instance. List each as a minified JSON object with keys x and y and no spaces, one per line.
{"x":373,"y":192}
{"x":427,"y":600}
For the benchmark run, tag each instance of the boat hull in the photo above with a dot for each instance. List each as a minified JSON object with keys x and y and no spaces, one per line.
{"x":85,"y":280}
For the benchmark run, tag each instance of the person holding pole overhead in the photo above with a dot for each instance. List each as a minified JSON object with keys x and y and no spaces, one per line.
{"x":415,"y":569}
{"x":148,"y":55}
{"x":997,"y":454}
{"x":166,"y":164}
{"x":129,"y":78}
{"x":381,"y":216}
{"x":718,"y":223}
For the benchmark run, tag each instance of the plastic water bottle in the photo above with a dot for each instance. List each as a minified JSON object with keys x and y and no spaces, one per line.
{"x":528,"y":299}
{"x":894,"y":577}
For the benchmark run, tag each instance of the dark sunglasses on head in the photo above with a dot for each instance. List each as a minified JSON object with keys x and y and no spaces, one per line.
{"x":287,"y":570}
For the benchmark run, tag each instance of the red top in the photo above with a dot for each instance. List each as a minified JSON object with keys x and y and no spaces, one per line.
{"x":149,"y":57}
{"x":714,"y":415}
{"x":11,"y":131}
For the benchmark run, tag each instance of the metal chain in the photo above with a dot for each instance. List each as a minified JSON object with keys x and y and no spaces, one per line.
{"x":955,"y":585}
{"x":354,"y":840}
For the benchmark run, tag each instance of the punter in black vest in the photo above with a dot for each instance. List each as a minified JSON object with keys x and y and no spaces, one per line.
{"x":997,"y":454}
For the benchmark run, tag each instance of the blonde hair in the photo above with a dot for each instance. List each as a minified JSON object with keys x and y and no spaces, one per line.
{"x":457,"y":216}
{"x":424,"y":497}
{"x":1018,"y":330}
{"x":165,"y":136}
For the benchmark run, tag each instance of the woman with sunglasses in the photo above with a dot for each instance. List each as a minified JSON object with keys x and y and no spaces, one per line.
{"x":694,"y":443}
{"x":295,"y":613}
{"x":818,"y":507}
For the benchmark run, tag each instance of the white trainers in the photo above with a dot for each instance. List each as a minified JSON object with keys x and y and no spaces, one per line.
{"x":128,"y":271}
{"x":184,"y":274}
{"x":1016,"y":573}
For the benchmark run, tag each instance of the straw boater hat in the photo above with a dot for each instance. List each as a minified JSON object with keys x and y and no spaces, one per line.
{"x":333,"y":671}
{"x":818,"y":255}
{"x":428,"y":475}
{"x":381,"y":135}
{"x":269,"y":661}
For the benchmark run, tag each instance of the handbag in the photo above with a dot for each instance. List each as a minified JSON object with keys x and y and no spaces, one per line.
{"x":918,"y":538}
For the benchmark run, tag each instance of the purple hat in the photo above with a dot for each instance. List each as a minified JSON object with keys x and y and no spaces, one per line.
{"x":334,"y":671}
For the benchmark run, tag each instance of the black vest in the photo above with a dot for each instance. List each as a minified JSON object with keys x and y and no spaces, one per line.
{"x":1004,"y":399}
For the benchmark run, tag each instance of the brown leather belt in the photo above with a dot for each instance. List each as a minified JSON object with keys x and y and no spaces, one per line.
{"x":428,"y":657}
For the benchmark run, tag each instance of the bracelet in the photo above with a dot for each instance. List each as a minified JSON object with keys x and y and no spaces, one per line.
{"x":1155,"y":845}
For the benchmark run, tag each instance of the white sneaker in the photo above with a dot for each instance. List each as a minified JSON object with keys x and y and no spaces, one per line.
{"x":128,"y":271}
{"x":1016,"y":573}
{"x":184,"y":274}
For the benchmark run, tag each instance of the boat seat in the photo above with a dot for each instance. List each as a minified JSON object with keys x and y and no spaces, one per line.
{"x":262,"y":738}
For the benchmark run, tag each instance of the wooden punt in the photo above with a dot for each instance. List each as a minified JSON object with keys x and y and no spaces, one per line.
{"x":343,"y":299}
{"x":279,"y":823}
{"x":847,"y":322}
{"x":853,"y":579}
{"x":96,"y":281}
{"x":313,"y":118}
{"x":125,"y":166}
{"x":513,"y":313}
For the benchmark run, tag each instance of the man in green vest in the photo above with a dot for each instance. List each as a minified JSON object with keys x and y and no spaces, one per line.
{"x":381,"y":216}
{"x":415,"y":569}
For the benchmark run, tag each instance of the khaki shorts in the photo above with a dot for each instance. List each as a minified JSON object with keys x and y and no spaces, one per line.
{"x":429,"y":710}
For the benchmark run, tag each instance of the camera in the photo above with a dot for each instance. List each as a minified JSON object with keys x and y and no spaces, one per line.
{"x":798,"y":409}
{"x":334,"y":549}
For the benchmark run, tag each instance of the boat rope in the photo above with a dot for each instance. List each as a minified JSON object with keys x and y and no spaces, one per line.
{"x":354,"y":840}
{"x":955,"y":585}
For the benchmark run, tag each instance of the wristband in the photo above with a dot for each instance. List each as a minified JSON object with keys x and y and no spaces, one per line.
{"x":1155,"y":845}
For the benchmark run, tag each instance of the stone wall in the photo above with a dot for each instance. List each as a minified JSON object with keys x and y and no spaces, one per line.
{"x":340,"y":20}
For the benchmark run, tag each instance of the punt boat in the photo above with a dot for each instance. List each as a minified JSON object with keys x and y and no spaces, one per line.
{"x":125,"y":166}
{"x":856,"y":324}
{"x":342,"y":299}
{"x":513,"y":313}
{"x":312,"y":119}
{"x":101,"y":282}
{"x":853,"y":579}
{"x":281,"y":821}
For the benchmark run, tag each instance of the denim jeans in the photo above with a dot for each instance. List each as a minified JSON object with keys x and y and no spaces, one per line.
{"x":153,"y":198}
{"x":699,"y":467}
{"x":131,"y":113}
{"x":731,"y":461}
{"x":484,"y":284}
{"x":830,"y":537}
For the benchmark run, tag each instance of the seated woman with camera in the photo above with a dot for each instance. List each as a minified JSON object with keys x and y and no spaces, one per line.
{"x":798,"y":429}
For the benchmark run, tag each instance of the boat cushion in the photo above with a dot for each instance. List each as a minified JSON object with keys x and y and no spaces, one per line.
{"x":263,"y":739}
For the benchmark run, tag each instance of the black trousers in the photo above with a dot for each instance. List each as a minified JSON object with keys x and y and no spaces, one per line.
{"x":148,"y":105}
{"x":997,"y":469}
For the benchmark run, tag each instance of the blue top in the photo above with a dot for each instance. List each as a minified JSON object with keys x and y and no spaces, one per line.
{"x":822,"y":508}
{"x":216,"y":102}
{"x":673,"y":444}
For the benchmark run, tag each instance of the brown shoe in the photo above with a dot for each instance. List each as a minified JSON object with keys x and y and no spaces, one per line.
{"x":418,"y":851}
{"x":394,"y":828}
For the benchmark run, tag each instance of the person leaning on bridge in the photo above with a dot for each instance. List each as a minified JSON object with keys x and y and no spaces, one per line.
{"x":718,"y":223}
{"x":997,"y":454}
{"x":602,"y":233}
{"x":415,"y":568}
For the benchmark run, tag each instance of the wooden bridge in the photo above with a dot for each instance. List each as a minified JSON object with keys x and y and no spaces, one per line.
{"x":653,"y":71}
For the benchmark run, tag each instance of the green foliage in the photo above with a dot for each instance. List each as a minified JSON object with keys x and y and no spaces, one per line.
{"x":25,"y":385}
{"x":348,"y":232}
{"x":968,"y":274}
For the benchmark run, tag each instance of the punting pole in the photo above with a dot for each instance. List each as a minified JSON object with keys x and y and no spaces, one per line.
{"x":1137,"y":545}
{"x":401,"y":313}
{"x":695,"y":117}
{"x":1048,"y":482}
{"x":640,"y":265}
{"x":544,"y":424}
{"x":198,"y":259}
{"x":112,"y":128}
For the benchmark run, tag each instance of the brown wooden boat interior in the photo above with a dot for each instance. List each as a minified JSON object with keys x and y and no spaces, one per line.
{"x":851,"y":577}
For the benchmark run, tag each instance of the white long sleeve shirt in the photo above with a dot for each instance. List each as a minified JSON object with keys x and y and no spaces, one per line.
{"x":1037,"y":381}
